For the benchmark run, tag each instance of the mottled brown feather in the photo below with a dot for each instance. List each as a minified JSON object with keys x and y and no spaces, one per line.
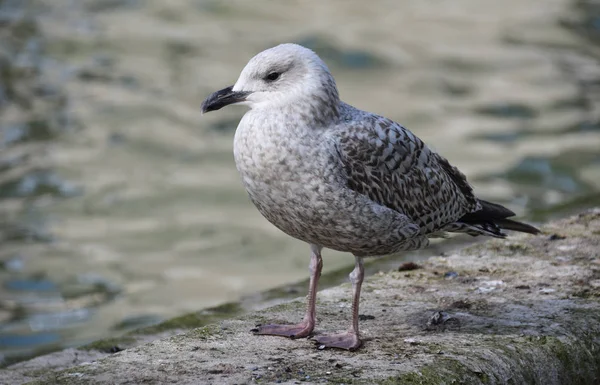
{"x":394,"y":168}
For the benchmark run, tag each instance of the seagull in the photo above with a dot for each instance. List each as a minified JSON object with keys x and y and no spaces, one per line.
{"x":337,"y":177}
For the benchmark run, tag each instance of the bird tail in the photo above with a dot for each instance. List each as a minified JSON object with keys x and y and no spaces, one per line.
{"x":509,"y":224}
{"x":490,"y":220}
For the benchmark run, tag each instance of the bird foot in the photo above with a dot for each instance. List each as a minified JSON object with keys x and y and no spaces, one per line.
{"x":348,"y":341}
{"x":303,"y":329}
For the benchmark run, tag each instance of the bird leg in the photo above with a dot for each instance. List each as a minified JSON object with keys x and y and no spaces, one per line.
{"x":349,"y":340}
{"x":304,"y":328}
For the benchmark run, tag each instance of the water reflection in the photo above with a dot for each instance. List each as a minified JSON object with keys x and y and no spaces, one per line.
{"x":121,"y":207}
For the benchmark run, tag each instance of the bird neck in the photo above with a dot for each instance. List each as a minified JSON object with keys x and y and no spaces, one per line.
{"x":318,"y":102}
{"x":319,"y":112}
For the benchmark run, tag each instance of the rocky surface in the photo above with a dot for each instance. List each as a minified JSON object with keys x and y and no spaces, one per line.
{"x":515,"y":311}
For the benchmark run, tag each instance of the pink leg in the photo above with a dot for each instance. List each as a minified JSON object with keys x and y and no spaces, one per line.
{"x":304,"y":328}
{"x":349,"y":340}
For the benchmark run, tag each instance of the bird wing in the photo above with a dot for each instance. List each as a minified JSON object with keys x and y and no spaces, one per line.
{"x":390,"y":165}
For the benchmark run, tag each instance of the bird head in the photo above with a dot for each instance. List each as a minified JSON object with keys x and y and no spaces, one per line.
{"x":285,"y":75}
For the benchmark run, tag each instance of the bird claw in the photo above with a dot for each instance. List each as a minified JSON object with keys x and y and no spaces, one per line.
{"x":347,"y":341}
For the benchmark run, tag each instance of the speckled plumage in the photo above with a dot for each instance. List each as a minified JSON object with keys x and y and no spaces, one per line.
{"x":330,"y":174}
{"x":334,"y":176}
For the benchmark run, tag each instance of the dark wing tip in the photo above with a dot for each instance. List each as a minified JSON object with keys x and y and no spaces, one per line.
{"x":517,"y":226}
{"x":497,"y":214}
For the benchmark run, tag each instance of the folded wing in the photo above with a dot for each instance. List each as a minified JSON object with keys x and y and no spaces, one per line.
{"x":391,"y":166}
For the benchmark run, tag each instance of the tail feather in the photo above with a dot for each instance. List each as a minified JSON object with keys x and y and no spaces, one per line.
{"x":492,"y":219}
{"x":509,"y":224}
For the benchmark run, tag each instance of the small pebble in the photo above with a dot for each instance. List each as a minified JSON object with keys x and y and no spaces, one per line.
{"x":406,"y":266}
{"x":442,"y":318}
{"x":566,"y":247}
{"x":451,"y":275}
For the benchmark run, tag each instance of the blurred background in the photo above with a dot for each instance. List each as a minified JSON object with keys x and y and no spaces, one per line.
{"x":120,"y":205}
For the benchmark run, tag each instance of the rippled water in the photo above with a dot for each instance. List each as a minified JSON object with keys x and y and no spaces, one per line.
{"x":120,"y":205}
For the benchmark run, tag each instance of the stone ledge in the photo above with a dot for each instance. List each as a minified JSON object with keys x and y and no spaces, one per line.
{"x":525,"y":310}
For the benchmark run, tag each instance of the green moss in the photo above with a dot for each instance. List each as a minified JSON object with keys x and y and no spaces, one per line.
{"x":560,"y":351}
{"x":230,"y":308}
{"x":10,"y":360}
{"x":516,"y":247}
{"x":287,"y":307}
{"x":194,"y":320}
{"x":206,"y":332}
{"x":574,"y":362}
{"x":107,"y":345}
{"x":444,"y":371}
{"x":188,"y":321}
{"x":578,"y":360}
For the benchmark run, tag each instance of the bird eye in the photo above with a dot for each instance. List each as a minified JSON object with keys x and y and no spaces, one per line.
{"x":272,"y":76}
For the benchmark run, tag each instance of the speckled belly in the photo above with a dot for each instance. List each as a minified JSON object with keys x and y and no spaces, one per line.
{"x":311,"y":209}
{"x":293,"y":201}
{"x":297,"y":188}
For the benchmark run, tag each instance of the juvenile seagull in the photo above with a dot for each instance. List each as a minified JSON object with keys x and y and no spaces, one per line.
{"x":334,"y":176}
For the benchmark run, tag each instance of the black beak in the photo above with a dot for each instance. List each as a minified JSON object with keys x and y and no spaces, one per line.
{"x":223,"y":98}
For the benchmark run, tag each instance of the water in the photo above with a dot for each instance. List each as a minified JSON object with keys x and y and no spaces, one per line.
{"x":120,"y":205}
